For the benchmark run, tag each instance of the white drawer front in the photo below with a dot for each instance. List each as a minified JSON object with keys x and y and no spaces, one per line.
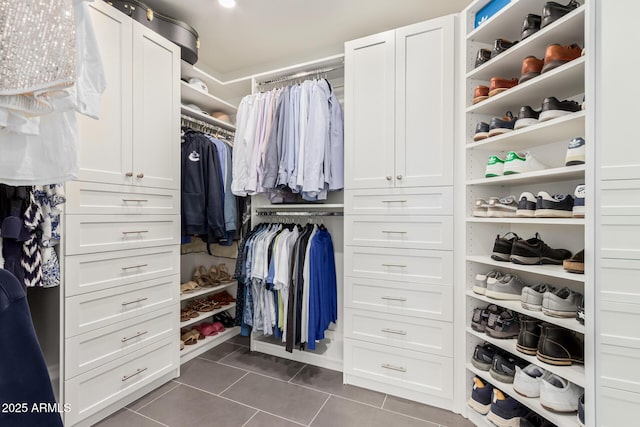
{"x":619,"y":237}
{"x":88,"y":351}
{"x":621,"y":280}
{"x":407,"y":299}
{"x":411,"y":232}
{"x":88,"y":312}
{"x":614,"y":363}
{"x":400,"y":201}
{"x":404,"y":265}
{"x":411,"y":333}
{"x":95,"y":272}
{"x":409,"y":369}
{"x":101,"y":233}
{"x":615,"y":406}
{"x":97,"y":389}
{"x":94,"y":198}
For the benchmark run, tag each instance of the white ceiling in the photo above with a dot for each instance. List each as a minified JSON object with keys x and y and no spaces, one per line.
{"x":261,"y":35}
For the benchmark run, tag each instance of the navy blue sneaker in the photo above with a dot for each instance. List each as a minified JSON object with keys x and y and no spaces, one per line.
{"x":481,"y":394}
{"x":482,"y":131}
{"x":483,"y":356}
{"x":500,"y":125}
{"x":505,"y":410}
{"x":578,"y":203}
{"x":556,"y":206}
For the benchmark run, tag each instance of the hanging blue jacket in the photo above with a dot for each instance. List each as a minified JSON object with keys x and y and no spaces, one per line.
{"x":323,"y":298}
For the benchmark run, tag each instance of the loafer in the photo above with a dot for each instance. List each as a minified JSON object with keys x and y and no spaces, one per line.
{"x":501,"y":45}
{"x":552,"y":11}
{"x":559,"y":346}
{"x":498,"y":85}
{"x":480,"y":93}
{"x":482,"y":56}
{"x":531,"y":67}
{"x":482,"y":131}
{"x":557,"y":55}
{"x":529,"y":336}
{"x":552,"y":108}
{"x":530,"y":25}
{"x":500,"y":125}
{"x":526,"y":117}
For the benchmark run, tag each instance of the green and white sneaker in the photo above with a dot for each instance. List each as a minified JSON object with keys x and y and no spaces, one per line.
{"x":521,"y":163}
{"x":495,"y":167}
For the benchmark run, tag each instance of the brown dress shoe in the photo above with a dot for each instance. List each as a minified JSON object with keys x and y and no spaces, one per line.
{"x":557,"y":55}
{"x":531,"y":67}
{"x":480,"y":94}
{"x":499,"y":84}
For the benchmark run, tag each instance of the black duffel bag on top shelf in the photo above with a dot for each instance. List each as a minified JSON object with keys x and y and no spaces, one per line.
{"x":178,"y":32}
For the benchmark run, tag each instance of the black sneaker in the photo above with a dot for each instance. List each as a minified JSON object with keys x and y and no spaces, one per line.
{"x":526,"y":206}
{"x":482,"y":131}
{"x":530,"y":25}
{"x":503,"y":368}
{"x":556,"y":206}
{"x":483,"y":356}
{"x":552,"y":11}
{"x":500,"y":45}
{"x":552,"y":108}
{"x":502,"y":247}
{"x":535,"y":251}
{"x":483,"y":56}
{"x":527,"y":117}
{"x":500,"y":125}
{"x":506,"y":326}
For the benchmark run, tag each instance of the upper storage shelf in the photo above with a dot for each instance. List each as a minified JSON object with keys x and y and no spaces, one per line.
{"x":231,"y":91}
{"x":206,"y":101}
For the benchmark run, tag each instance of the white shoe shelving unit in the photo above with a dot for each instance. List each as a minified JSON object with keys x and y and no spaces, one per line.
{"x":548,"y":142}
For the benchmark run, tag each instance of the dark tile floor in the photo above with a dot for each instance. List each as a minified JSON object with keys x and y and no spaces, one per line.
{"x":230,"y":386}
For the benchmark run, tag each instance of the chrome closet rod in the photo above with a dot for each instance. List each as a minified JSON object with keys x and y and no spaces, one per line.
{"x":188,"y":121}
{"x":298,"y":213}
{"x":300,"y":75}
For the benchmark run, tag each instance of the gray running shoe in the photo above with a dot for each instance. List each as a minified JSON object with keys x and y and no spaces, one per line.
{"x":480,"y":285}
{"x":561,"y":303}
{"x":509,"y":287}
{"x":531,"y":297}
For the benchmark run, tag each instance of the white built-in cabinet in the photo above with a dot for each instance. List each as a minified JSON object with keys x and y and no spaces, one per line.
{"x":399,"y":276}
{"x":121,"y":255}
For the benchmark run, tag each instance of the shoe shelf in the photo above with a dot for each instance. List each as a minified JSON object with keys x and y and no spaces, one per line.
{"x":568,"y":323}
{"x":573,"y":373}
{"x":562,"y":82}
{"x":205,"y":291}
{"x":555,"y":271}
{"x":562,"y":128}
{"x":478,"y":419}
{"x":537,"y":177}
{"x":537,"y":221}
{"x":558,"y":418}
{"x":231,"y":89}
{"x":192,"y":351}
{"x":204,"y":100}
{"x":207,"y":314}
{"x":565,"y":31}
{"x":206,"y":118}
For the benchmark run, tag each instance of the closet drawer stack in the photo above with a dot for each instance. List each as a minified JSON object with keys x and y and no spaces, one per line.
{"x":399,"y":212}
{"x":121,"y":255}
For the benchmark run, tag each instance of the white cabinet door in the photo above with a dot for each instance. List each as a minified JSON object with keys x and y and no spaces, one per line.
{"x":105,"y":145}
{"x":424,"y":135}
{"x":369,"y":111}
{"x":156,"y":110}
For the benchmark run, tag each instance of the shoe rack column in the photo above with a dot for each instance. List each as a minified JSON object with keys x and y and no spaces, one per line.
{"x":546,"y":141}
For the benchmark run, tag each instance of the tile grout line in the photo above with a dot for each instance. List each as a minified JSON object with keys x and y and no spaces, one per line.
{"x":296,"y":374}
{"x":384,"y":401}
{"x":149,"y":403}
{"x":234,"y":351}
{"x":234,"y":383}
{"x":411,"y":416}
{"x":252,"y":417}
{"x":144,"y":416}
{"x":319,"y":410}
{"x":254,"y":372}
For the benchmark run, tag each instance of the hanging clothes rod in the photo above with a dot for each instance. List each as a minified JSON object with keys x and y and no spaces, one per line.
{"x":298,"y":213}
{"x":301,"y":75}
{"x":199,"y":125}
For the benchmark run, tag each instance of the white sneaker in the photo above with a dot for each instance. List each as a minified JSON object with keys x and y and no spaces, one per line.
{"x":521,"y":163}
{"x":558,"y":394}
{"x":575,"y":152}
{"x":495,"y":167}
{"x":504,"y":207}
{"x":527,"y":380}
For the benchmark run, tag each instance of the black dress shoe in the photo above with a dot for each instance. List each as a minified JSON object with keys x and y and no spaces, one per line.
{"x":559,"y":346}
{"x":500,"y":45}
{"x":552,"y":11}
{"x":483,"y":56}
{"x":531,"y":25}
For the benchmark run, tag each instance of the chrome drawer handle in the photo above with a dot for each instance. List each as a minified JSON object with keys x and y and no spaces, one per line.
{"x":135,"y":301}
{"x":139,"y":334}
{"x":128,"y":174}
{"x":135,"y":200}
{"x":394,"y":298}
{"x":394,"y":201}
{"x":140,"y":175}
{"x":394,"y":232}
{"x":394,"y":265}
{"x":135,"y":232}
{"x":394,"y":331}
{"x":137,"y":372}
{"x":135,"y":266}
{"x":394,"y":368}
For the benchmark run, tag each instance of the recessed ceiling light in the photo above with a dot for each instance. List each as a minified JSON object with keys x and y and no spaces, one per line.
{"x":227,"y":3}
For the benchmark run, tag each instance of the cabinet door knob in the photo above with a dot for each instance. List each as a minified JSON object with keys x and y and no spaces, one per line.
{"x":399,"y":176}
{"x":128,"y":174}
{"x":388,"y":177}
{"x":140,"y":175}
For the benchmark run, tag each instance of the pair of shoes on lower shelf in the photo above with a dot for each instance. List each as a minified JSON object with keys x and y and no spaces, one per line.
{"x":510,"y":247}
{"x":496,"y":322}
{"x":550,"y":343}
{"x":555,"y":393}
